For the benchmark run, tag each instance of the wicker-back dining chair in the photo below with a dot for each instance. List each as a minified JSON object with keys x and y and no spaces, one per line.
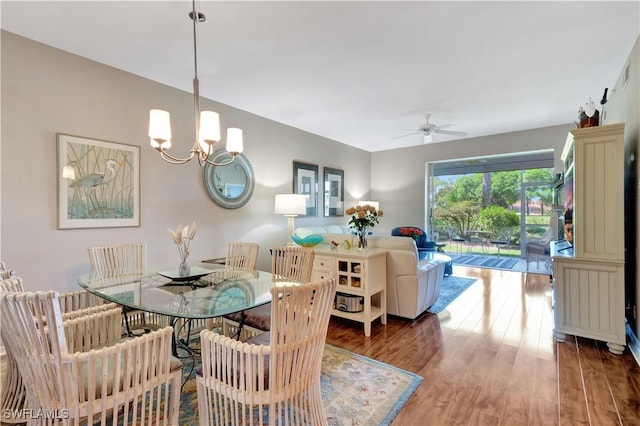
{"x":80,"y":372}
{"x":242,"y":255}
{"x":288,"y":263}
{"x":73,"y":304}
{"x":126,"y":260}
{"x":273,"y":383}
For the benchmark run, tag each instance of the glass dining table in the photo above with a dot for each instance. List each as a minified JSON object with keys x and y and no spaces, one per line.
{"x":205,"y":293}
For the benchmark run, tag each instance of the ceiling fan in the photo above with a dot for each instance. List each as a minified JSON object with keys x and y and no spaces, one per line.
{"x":428,"y":129}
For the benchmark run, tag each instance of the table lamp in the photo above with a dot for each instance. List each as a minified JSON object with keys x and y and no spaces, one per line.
{"x":290,"y":205}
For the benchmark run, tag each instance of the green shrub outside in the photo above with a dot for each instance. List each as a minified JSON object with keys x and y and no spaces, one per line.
{"x":497,"y":219}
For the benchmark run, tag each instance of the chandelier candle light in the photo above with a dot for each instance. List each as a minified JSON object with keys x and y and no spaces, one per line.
{"x":207,"y":124}
{"x":182,"y":236}
{"x":363,"y":218}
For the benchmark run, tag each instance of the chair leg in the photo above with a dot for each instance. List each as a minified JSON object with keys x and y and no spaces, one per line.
{"x":174,"y":400}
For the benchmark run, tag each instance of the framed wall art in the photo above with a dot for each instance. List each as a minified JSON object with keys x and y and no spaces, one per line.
{"x":333,"y":192}
{"x":98,"y":183}
{"x":305,"y":181}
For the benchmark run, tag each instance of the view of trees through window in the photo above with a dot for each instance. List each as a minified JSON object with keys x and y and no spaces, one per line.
{"x":495,"y":204}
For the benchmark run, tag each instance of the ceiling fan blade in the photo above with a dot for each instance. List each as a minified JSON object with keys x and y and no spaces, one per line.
{"x":450,"y":132}
{"x":409,"y":134}
{"x":441,"y":126}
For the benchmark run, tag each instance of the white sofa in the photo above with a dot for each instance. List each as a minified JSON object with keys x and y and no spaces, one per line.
{"x":412,"y":285}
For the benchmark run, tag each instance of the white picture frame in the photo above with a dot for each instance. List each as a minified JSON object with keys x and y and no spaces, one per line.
{"x":98,"y":183}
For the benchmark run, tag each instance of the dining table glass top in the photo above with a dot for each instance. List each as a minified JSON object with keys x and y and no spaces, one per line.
{"x":205,"y":293}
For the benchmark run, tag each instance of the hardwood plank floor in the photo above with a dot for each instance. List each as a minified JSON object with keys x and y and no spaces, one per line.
{"x":490,"y":359}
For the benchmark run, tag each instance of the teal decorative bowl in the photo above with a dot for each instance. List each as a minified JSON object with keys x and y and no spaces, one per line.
{"x":308,"y":241}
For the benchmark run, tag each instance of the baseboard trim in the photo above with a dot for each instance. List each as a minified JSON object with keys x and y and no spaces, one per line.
{"x":633,"y":344}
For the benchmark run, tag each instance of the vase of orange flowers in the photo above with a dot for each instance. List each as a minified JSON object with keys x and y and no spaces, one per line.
{"x":412,"y":232}
{"x":363,"y":218}
{"x":182,"y":236}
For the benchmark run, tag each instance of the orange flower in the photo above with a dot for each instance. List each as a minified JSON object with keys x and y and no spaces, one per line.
{"x":363,"y":217}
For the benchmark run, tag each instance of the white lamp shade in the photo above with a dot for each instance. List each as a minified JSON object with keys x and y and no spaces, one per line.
{"x":159,"y":128}
{"x":291,"y":204}
{"x":375,"y":204}
{"x":209,"y":129}
{"x":234,"y":140}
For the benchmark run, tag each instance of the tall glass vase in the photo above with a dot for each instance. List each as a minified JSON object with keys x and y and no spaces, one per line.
{"x":362,"y":238}
{"x":184,"y":269}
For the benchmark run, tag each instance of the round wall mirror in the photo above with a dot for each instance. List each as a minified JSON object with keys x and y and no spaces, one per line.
{"x":230,"y":186}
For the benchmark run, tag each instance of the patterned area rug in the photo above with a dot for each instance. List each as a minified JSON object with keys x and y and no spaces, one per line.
{"x":355,"y":390}
{"x":485,"y":261}
{"x":451,"y":288}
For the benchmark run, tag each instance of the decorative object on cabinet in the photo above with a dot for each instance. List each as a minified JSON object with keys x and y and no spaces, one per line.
{"x":588,"y":115}
{"x":308,"y":241}
{"x":290,"y":206}
{"x":98,"y":183}
{"x":362,"y":219}
{"x":207,"y":123}
{"x":603,"y":102}
{"x":305,"y":181}
{"x":588,"y":289}
{"x":230,"y":186}
{"x":333,"y":192}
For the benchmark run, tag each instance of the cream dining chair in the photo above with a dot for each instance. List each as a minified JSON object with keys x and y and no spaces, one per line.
{"x":126,"y":260}
{"x":242,"y":255}
{"x":80,"y":370}
{"x":287,"y":263}
{"x":273,"y":383}
{"x":72,"y":305}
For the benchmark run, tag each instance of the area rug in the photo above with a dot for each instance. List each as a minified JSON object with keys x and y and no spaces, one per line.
{"x":356,"y":390}
{"x":492,"y":262}
{"x":451,"y":288}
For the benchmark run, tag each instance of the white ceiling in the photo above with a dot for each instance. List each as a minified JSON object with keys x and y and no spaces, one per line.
{"x":360,"y":72}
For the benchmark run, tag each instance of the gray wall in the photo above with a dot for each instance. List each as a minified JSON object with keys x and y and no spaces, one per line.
{"x":45,"y":91}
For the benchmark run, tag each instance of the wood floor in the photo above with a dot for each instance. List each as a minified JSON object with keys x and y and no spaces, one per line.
{"x":490,"y":359}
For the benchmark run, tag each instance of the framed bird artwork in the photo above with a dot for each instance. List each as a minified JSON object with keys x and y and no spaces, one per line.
{"x":98,"y":183}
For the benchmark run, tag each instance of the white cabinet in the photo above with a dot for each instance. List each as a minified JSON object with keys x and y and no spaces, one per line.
{"x":588,"y":300}
{"x":588,"y":279}
{"x":360,"y":273}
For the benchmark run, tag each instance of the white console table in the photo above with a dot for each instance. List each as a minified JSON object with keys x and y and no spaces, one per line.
{"x":360,"y":273}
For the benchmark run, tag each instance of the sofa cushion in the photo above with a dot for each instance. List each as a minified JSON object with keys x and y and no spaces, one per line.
{"x":335,"y":229}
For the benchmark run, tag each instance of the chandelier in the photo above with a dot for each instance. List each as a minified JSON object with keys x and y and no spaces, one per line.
{"x":207,"y":123}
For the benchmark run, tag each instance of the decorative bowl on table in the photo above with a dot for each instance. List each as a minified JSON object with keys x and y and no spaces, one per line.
{"x":308,"y":241}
